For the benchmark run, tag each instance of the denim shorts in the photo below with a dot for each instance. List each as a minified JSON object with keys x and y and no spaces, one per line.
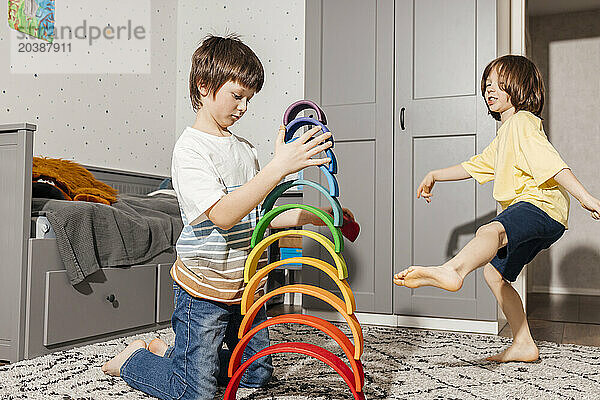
{"x":197,"y":362}
{"x":529,"y":230}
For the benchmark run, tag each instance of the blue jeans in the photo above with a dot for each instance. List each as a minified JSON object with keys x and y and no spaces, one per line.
{"x":197,"y":363}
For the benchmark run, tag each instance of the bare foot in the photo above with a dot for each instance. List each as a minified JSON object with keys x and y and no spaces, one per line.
{"x":158,"y":347}
{"x":441,"y":277}
{"x":401,"y":275}
{"x":527,"y":352}
{"x":113,"y":367}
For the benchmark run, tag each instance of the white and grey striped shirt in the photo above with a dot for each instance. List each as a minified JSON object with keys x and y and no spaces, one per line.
{"x":210,"y":259}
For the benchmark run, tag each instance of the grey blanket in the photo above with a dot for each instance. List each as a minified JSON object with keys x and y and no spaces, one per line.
{"x":90,"y":235}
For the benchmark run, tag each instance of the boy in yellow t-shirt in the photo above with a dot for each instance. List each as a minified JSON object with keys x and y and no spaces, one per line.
{"x":531,"y":182}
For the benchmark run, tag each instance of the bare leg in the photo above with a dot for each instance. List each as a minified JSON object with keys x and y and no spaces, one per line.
{"x":113,"y":367}
{"x":158,"y":347}
{"x":478,"y":252}
{"x":523,"y":347}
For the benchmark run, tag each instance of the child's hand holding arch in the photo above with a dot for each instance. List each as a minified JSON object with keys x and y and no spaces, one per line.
{"x":296,"y":155}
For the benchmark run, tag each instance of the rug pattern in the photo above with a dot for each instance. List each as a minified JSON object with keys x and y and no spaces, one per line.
{"x":399,"y":363}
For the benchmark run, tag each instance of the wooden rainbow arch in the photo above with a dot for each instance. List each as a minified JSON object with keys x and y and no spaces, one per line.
{"x":252,"y":286}
{"x":254,"y":256}
{"x":263,"y":224}
{"x":300,"y":348}
{"x":314,"y":291}
{"x":324,"y":326}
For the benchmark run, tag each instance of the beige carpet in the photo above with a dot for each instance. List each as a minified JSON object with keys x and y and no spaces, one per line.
{"x":399,"y":364}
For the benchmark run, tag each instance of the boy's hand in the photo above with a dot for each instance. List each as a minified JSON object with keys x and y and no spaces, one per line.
{"x":319,"y":222}
{"x":350,"y":228}
{"x":293,"y":156}
{"x":426,"y":187}
{"x":592,"y":204}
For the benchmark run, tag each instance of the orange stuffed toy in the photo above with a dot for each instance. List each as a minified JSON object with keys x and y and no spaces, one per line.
{"x":72,"y":180}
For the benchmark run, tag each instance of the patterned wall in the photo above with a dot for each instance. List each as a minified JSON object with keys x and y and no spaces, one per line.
{"x":567,"y":49}
{"x":94,"y":116}
{"x":275,"y":31}
{"x":127,"y":114}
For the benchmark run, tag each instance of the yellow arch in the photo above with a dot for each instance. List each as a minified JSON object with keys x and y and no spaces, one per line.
{"x":317,"y":292}
{"x":248,"y":295}
{"x":254,"y":256}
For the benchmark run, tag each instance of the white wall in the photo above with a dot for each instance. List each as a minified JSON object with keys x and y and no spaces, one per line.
{"x":106,"y":108}
{"x":113,"y":109}
{"x":567,"y":49}
{"x":275,"y":31}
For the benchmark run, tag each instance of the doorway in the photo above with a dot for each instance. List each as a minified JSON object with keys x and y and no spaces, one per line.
{"x":563,"y":282}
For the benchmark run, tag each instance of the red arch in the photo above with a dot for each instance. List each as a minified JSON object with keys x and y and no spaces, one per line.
{"x":300,"y":348}
{"x":324,"y":326}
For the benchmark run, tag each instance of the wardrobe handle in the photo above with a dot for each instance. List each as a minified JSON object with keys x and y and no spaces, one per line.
{"x":402,"y":110}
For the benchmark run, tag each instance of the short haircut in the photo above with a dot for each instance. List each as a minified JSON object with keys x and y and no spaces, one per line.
{"x":521,"y":80}
{"x":219,"y":60}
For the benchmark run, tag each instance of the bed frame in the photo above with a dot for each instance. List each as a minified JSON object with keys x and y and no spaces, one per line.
{"x":40,"y":311}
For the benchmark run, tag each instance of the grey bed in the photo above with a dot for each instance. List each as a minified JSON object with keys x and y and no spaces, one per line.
{"x":47,"y":304}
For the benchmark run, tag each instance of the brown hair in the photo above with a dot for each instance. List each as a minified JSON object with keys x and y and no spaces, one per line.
{"x":521,"y":80}
{"x":219,"y":60}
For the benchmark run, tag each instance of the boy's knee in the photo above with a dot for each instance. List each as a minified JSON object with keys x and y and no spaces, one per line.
{"x":491,"y":275}
{"x":496,"y":228}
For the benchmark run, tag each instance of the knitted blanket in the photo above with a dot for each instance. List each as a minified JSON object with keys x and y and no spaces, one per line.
{"x":90,"y":236}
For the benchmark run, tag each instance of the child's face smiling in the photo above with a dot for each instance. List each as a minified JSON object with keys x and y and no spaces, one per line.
{"x":228,"y":105}
{"x":496,"y":98}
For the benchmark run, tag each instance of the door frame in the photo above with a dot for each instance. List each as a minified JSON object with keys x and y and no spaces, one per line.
{"x":510,"y":39}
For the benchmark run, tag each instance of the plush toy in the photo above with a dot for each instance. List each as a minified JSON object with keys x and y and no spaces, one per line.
{"x":54,"y":178}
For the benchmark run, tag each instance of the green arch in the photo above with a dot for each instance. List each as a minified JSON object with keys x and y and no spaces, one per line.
{"x":282,"y":187}
{"x":263,"y":224}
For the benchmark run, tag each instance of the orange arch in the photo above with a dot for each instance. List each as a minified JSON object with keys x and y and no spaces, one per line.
{"x":248,"y":295}
{"x":314,"y":291}
{"x":324,"y":326}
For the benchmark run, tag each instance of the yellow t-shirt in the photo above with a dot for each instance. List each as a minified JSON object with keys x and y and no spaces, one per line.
{"x":522,"y":163}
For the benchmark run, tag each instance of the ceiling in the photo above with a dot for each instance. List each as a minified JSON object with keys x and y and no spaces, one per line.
{"x":543,"y":7}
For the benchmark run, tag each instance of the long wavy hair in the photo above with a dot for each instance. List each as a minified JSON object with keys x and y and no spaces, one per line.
{"x":521,"y":80}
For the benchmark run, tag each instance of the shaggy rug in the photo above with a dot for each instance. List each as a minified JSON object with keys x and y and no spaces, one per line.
{"x":398,"y":363}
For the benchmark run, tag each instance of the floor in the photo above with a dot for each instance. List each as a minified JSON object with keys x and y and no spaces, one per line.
{"x":563,"y":318}
{"x":552,"y":317}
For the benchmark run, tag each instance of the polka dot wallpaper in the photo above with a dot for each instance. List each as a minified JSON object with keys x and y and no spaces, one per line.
{"x":275,"y":31}
{"x":130,"y":121}
{"x":116,"y":120}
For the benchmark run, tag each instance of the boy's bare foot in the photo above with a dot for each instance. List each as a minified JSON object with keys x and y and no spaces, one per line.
{"x":113,"y":367}
{"x":441,"y":277}
{"x":158,"y":347}
{"x":527,"y":352}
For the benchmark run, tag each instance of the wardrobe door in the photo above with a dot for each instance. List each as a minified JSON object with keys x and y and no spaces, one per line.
{"x":441,"y":49}
{"x":349,"y":72}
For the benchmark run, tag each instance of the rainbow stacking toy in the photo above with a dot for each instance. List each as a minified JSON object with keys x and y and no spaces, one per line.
{"x":353,"y":374}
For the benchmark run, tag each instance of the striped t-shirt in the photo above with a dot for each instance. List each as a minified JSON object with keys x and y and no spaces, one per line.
{"x":211,"y":260}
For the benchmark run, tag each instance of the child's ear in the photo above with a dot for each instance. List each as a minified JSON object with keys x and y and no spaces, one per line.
{"x":203,"y":90}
